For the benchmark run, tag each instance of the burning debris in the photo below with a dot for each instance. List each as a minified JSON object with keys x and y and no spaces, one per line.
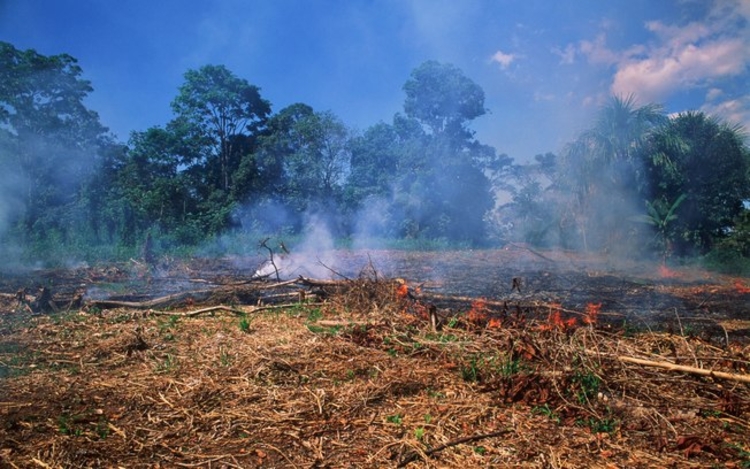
{"x":375,"y":371}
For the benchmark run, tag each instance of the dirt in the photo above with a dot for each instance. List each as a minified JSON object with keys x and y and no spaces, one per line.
{"x":356,"y":376}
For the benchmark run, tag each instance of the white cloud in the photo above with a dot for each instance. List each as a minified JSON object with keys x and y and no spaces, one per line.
{"x":734,"y":111}
{"x":539,"y":96}
{"x":567,"y":55}
{"x":503,"y":59}
{"x":597,"y":52}
{"x":696,"y":54}
{"x":669,"y":69}
{"x":680,"y":56}
{"x":713,"y":94}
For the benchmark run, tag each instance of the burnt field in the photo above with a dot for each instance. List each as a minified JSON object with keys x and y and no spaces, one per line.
{"x":506,"y":358}
{"x":643,"y":295}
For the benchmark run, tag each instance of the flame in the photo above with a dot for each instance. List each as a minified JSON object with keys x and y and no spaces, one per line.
{"x":402,"y":291}
{"x":477,"y":314}
{"x":494,"y":323}
{"x":741,"y":287}
{"x":591,"y":315}
{"x":666,"y":272}
{"x":556,"y":321}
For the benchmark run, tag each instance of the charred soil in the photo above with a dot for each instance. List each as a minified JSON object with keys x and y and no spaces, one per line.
{"x":501,"y":359}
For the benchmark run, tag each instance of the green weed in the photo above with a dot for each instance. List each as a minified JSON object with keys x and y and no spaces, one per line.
{"x":470,"y":372}
{"x":596,"y":425}
{"x":244,"y":324}
{"x":547,"y":412}
{"x":314,"y":315}
{"x":166,"y":364}
{"x":395,"y":419}
{"x":588,"y":386}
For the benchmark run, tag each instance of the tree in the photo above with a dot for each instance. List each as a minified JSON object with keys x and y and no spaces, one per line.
{"x":156,"y":194}
{"x":442,"y":190}
{"x":374,"y":163}
{"x":705,"y":159}
{"x":600,"y":170}
{"x":220,"y":107}
{"x":660,"y":214}
{"x":50,"y":143}
{"x":306,"y":156}
{"x":442,"y":98}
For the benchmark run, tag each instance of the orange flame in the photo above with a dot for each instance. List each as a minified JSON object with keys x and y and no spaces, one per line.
{"x":592,"y":313}
{"x":494,"y":323}
{"x":666,"y":272}
{"x":741,"y":287}
{"x":555,"y":320}
{"x":477,"y":314}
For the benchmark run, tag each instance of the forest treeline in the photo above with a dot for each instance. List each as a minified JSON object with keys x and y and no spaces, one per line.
{"x":638,"y":182}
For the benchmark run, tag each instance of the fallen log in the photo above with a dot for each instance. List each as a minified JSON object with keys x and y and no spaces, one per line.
{"x":149,"y":304}
{"x":686,"y":369}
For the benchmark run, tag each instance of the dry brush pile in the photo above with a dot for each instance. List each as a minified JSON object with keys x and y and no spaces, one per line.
{"x":358,"y":375}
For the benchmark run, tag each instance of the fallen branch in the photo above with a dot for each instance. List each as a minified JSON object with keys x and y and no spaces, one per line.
{"x":687,"y":369}
{"x":467,"y":439}
{"x":248,"y":310}
{"x":200,"y":311}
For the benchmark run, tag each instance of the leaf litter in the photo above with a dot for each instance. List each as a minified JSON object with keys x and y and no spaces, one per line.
{"x":367,"y":372}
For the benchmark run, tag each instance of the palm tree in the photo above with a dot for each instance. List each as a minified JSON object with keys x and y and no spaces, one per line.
{"x":706,"y":159}
{"x":622,"y":127}
{"x":601,"y":166}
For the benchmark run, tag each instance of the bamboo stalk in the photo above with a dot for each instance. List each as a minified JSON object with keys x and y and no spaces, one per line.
{"x":687,"y":369}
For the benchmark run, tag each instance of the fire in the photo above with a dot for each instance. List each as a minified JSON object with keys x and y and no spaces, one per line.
{"x":591,"y":316}
{"x":741,"y":287}
{"x":402,"y":291}
{"x":478,"y":312}
{"x":494,"y":323}
{"x":666,"y":272}
{"x":555,"y":320}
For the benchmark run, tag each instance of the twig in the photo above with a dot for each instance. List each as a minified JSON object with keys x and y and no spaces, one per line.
{"x":332,"y":270}
{"x":252,"y":309}
{"x":687,"y":369}
{"x":467,"y":439}
{"x":270,"y":254}
{"x":200,"y":311}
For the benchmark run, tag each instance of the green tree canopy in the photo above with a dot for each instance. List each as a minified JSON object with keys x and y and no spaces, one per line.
{"x":308,"y":153}
{"x":442,"y":98}
{"x":600,"y":171}
{"x":427,"y":163}
{"x":219,"y":107}
{"x":707,"y":160}
{"x":50,"y":142}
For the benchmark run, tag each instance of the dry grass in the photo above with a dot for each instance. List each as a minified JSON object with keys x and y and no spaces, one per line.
{"x":361,"y":381}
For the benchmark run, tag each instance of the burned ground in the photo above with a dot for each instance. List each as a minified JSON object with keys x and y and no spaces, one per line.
{"x":570,"y":371}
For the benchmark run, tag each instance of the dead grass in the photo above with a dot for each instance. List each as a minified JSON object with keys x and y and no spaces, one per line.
{"x":362,"y":381}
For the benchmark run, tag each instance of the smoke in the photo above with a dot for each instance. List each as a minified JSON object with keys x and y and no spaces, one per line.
{"x":11,"y":205}
{"x":371,"y":223}
{"x":306,"y":244}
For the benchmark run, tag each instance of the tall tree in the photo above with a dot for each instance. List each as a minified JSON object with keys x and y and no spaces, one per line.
{"x":220,"y":107}
{"x":442,"y":98}
{"x":442,"y":189}
{"x":601,"y":168}
{"x":50,"y":140}
{"x":306,"y":155}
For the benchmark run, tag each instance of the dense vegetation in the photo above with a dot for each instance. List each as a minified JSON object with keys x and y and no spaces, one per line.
{"x":228,"y":165}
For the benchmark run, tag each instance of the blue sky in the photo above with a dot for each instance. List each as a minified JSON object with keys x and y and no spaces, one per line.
{"x":545,"y":66}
